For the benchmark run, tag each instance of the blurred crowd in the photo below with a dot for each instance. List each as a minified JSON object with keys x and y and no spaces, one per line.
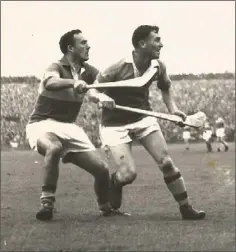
{"x":214,"y":97}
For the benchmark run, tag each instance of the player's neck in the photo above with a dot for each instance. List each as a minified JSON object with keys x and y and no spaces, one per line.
{"x":141,"y":61}
{"x":75,"y":63}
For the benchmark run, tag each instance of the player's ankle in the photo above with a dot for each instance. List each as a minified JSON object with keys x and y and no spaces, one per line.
{"x":47,"y":198}
{"x":105,"y":207}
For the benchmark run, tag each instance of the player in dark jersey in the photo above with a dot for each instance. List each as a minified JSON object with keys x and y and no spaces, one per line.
{"x":119,"y":128}
{"x":220,"y":134}
{"x":51,"y":129}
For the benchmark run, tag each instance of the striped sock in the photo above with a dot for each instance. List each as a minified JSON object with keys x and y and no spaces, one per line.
{"x":176,"y":186}
{"x":47,"y":197}
{"x":48,"y":194}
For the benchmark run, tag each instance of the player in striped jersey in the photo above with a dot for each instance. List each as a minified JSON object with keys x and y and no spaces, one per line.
{"x":220,"y":134}
{"x":51,"y":129}
{"x":119,"y":128}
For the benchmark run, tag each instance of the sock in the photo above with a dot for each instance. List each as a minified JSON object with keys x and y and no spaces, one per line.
{"x":48,"y":194}
{"x":175,"y":184}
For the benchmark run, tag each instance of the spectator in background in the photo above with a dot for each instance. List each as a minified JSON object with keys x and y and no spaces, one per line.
{"x":205,"y":95}
{"x":220,"y":134}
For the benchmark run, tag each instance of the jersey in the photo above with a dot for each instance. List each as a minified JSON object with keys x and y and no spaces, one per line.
{"x":125,"y":69}
{"x":62,"y":105}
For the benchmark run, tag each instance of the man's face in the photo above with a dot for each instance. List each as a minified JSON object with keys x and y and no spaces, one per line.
{"x":80,"y":49}
{"x":152,"y":45}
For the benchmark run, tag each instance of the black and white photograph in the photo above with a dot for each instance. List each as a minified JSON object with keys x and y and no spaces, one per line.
{"x":117,"y":126}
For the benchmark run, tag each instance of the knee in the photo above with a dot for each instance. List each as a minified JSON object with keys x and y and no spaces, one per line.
{"x":128,"y":176}
{"x":131,"y":176}
{"x":54,"y":150}
{"x":167,"y":165}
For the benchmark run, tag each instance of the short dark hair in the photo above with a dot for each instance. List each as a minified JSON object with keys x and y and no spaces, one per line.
{"x":142,"y":32}
{"x":68,"y":39}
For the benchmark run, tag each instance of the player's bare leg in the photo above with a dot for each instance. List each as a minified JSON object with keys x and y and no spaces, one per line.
{"x":91,"y":162}
{"x":50,"y":147}
{"x":156,"y":145}
{"x":125,"y":174}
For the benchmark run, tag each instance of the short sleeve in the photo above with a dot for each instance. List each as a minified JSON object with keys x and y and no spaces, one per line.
{"x":164,"y":81}
{"x":52,"y":71}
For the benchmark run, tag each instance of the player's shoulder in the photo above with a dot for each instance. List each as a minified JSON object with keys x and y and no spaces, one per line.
{"x":162,"y":67}
{"x":54,"y":65}
{"x":90,"y":68}
{"x":115,"y":66}
{"x":161,"y":64}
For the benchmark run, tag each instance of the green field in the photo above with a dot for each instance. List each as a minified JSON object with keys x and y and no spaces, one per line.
{"x":155,"y":224}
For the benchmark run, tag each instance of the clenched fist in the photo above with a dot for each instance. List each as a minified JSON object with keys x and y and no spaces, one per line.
{"x":80,"y":86}
{"x":104,"y":101}
{"x":182,"y":115}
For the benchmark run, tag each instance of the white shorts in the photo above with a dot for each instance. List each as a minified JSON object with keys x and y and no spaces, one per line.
{"x":73,"y":137}
{"x":207,"y":135}
{"x":220,"y":132}
{"x":115,"y":135}
{"x":186,"y":135}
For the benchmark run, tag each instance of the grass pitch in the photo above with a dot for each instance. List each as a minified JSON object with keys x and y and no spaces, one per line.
{"x":155,"y":224}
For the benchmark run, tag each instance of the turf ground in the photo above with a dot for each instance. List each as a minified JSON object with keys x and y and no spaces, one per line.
{"x":155,"y":224}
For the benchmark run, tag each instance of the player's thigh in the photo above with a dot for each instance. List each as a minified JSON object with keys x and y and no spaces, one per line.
{"x":122,"y":157}
{"x":155,"y":144}
{"x":90,"y":161}
{"x":49,"y":142}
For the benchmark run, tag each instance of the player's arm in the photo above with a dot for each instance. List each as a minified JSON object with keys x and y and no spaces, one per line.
{"x":100,"y":98}
{"x":53,"y":81}
{"x":167,"y":96}
{"x":164,"y":84}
